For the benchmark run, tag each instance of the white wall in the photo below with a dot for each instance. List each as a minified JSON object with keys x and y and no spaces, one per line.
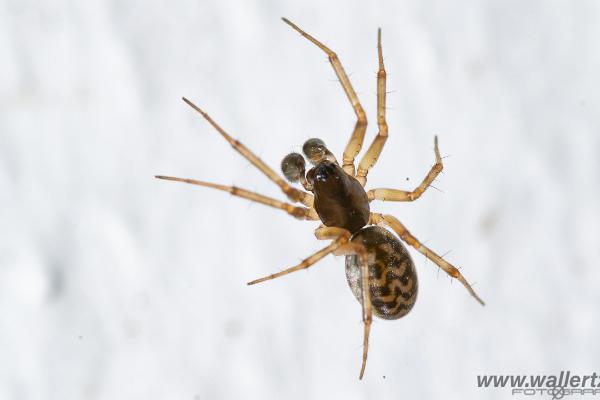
{"x":114,"y":285}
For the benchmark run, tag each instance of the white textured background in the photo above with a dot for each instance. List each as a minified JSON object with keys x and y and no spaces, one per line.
{"x":114,"y":285}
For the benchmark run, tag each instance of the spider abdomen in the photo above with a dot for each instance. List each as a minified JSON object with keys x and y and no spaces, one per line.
{"x":392,"y":275}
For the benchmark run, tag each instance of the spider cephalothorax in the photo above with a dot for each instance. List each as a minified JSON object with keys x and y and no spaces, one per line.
{"x":339,"y":199}
{"x":379,"y":269}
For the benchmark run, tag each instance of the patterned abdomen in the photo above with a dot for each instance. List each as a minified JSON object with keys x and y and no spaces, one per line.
{"x":392,"y":275}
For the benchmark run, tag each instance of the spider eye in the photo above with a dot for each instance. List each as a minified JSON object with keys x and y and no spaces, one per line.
{"x":315,"y":150}
{"x":293,"y":167}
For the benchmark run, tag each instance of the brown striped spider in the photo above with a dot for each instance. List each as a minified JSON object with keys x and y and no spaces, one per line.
{"x":335,"y":196}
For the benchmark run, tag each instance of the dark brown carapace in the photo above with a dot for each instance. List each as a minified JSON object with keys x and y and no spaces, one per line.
{"x":379,"y":270}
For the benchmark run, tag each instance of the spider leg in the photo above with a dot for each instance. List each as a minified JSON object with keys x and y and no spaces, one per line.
{"x":354,"y":145}
{"x":322,"y":233}
{"x":342,"y":237}
{"x":292,"y":193}
{"x":401,"y":195}
{"x":406,"y":236}
{"x":367,"y":308}
{"x":340,"y":246}
{"x":298,"y":212}
{"x":374,"y":151}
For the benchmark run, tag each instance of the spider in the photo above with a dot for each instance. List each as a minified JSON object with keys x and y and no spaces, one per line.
{"x":334,"y":195}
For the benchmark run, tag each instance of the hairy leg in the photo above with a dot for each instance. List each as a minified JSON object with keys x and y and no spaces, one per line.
{"x":354,"y":145}
{"x":401,"y":195}
{"x":298,"y":212}
{"x":341,"y":236}
{"x":292,"y":193}
{"x":374,"y":151}
{"x":406,"y":236}
{"x":367,"y":308}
